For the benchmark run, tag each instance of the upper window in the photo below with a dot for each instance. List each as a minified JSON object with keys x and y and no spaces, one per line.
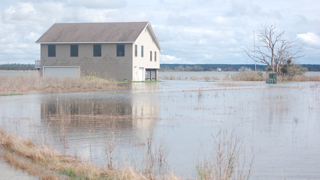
{"x":155,"y":56}
{"x":97,"y":50}
{"x":150,"y":55}
{"x":51,"y":50}
{"x":120,"y":49}
{"x":141,"y":51}
{"x":136,"y":50}
{"x":74,"y":50}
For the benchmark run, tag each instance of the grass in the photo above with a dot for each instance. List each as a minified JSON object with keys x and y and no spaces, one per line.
{"x":246,"y":76}
{"x":35,"y":158}
{"x":258,"y":76}
{"x":298,"y":78}
{"x":10,"y":94}
{"x":20,"y":84}
{"x":226,"y":161}
{"x":46,"y":163}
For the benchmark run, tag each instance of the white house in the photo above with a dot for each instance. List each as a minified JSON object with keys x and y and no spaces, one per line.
{"x":122,"y":50}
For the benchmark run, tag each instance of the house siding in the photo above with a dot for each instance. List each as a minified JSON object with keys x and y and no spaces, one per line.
{"x":145,"y":39}
{"x":108,"y":65}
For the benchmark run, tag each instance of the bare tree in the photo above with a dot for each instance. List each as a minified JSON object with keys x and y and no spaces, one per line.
{"x":273,"y":50}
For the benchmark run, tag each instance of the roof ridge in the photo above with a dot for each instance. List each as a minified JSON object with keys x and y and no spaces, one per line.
{"x":101,"y":22}
{"x":93,"y":32}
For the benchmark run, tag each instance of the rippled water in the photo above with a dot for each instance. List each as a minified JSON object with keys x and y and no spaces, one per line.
{"x":281,"y":122}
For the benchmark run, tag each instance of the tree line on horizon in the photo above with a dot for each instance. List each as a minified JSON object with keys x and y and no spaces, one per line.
{"x":17,"y":67}
{"x":224,"y":67}
{"x":178,"y":67}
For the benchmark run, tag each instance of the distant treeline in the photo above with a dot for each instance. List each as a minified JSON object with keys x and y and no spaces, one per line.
{"x":179,"y":67}
{"x":17,"y":67}
{"x":224,"y":67}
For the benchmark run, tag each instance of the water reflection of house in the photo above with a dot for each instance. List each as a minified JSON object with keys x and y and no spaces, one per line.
{"x":139,"y":108}
{"x":85,"y":107}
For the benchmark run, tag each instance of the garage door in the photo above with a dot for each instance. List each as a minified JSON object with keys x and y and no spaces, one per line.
{"x":66,"y":71}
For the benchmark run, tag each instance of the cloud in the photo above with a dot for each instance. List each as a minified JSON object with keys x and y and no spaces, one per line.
{"x":189,"y":31}
{"x":21,"y":12}
{"x":169,"y":59}
{"x":97,"y":4}
{"x":310,"y":39}
{"x":244,"y":8}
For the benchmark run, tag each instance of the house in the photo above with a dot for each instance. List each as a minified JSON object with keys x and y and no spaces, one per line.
{"x":121,"y":50}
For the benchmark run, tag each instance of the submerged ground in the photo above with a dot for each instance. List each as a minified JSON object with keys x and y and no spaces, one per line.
{"x":281,"y":122}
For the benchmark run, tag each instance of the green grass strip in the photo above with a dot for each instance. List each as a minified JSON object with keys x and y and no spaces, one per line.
{"x":10,"y":94}
{"x":138,"y":81}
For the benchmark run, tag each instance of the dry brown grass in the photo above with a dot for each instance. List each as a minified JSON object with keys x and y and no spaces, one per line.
{"x":35,"y":83}
{"x":298,"y":78}
{"x":256,"y":76}
{"x":32,"y":168}
{"x":246,"y":76}
{"x":46,"y":163}
{"x":227,"y":159}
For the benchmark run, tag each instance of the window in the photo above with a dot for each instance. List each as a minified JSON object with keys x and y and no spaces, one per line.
{"x":141,"y":51}
{"x":155,"y":56}
{"x":136,"y":50}
{"x":51,"y":50}
{"x":120,"y":49}
{"x":150,"y":55}
{"x":97,"y":50}
{"x":74,"y":50}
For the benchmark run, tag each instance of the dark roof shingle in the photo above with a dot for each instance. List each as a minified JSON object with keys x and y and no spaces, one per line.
{"x":93,"y":32}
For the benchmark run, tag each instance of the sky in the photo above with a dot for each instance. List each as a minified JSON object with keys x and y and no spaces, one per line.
{"x":189,"y":31}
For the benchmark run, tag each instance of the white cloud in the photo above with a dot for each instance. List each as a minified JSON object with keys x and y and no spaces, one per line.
{"x":189,"y":31}
{"x":21,"y":12}
{"x":97,"y":4}
{"x":169,"y":59}
{"x":245,"y":8}
{"x":310,"y":39}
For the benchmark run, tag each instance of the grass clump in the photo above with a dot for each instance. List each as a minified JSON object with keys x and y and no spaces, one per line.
{"x":227,"y":159}
{"x":246,"y":76}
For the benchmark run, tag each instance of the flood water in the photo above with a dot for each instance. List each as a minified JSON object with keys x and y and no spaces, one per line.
{"x":281,"y":122}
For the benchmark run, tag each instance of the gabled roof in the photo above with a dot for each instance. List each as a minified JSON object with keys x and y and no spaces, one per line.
{"x":116,"y":32}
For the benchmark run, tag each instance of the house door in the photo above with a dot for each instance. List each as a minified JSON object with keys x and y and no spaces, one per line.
{"x":141,"y":73}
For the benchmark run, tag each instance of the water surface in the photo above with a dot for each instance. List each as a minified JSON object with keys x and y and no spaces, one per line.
{"x":281,"y":122}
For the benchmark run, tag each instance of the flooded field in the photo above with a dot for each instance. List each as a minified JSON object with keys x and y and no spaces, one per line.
{"x":280,"y":122}
{"x":201,"y":74}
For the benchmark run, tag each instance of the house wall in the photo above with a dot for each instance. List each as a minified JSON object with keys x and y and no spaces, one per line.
{"x":148,"y":43}
{"x":108,"y":65}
